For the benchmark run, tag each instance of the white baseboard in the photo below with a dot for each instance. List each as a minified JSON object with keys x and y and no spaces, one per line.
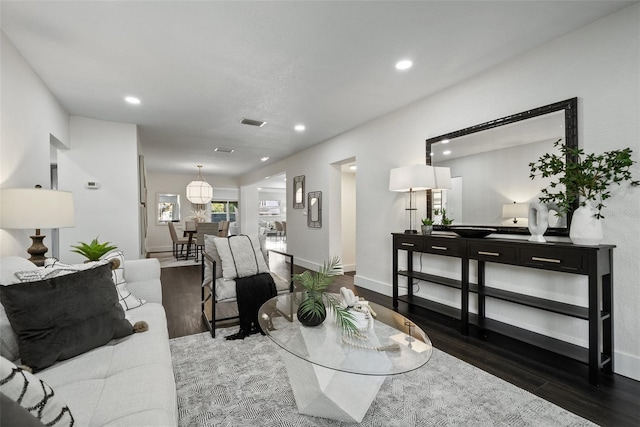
{"x":349,"y":267}
{"x":373,"y":285}
{"x":306,"y":264}
{"x":626,"y":364}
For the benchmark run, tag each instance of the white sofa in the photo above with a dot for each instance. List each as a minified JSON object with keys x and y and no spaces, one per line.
{"x":129,"y":381}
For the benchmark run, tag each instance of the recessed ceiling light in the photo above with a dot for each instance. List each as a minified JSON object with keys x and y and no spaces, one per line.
{"x":405,"y":64}
{"x":300,"y":127}
{"x":132,"y":100}
{"x":353,"y":167}
{"x":447,"y":152}
{"x":267,"y":177}
{"x":445,"y":141}
{"x":264,"y":159}
{"x":224,"y":150}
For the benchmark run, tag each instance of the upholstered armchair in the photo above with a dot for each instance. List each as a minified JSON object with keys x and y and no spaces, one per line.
{"x":218,"y":294}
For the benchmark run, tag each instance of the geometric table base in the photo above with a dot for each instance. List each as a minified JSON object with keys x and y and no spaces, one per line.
{"x":327,"y":393}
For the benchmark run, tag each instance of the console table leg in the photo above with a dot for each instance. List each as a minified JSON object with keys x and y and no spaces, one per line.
{"x":464,"y":310}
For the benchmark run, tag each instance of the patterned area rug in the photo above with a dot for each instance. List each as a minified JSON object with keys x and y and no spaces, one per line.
{"x":244,"y":383}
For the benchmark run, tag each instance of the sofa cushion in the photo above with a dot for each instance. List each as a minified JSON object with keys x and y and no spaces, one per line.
{"x":241,"y":256}
{"x":59,"y":318}
{"x":32,"y":394}
{"x":128,"y":381}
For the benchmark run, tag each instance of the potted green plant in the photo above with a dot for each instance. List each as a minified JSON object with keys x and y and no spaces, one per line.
{"x":427,"y":226}
{"x":312,"y":310}
{"x":587,"y":180}
{"x":93,"y":251}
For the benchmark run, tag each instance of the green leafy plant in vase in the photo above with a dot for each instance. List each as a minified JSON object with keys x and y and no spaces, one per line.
{"x":587,"y":180}
{"x":312,"y":310}
{"x":93,"y":251}
{"x":427,"y":226}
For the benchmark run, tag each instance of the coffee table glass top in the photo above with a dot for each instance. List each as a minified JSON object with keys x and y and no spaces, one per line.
{"x":325,"y":344}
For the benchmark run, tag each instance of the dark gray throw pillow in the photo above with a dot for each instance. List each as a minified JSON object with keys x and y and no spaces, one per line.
{"x":61,"y":317}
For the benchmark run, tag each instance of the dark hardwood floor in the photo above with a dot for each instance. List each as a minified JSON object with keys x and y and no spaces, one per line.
{"x":616,"y":402}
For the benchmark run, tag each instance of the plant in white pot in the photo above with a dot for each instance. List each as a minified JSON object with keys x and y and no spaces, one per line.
{"x":588,"y":179}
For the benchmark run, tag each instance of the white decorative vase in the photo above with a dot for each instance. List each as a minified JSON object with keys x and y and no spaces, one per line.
{"x":585,"y":228}
{"x":538,"y":221}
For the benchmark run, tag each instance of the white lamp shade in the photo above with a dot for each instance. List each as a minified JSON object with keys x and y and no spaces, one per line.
{"x":515,"y":210}
{"x":443,"y":178}
{"x":199,"y":192}
{"x":412,"y":178}
{"x":24,"y":208}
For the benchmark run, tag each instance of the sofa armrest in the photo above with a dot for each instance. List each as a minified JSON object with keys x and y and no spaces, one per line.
{"x":143,"y":279}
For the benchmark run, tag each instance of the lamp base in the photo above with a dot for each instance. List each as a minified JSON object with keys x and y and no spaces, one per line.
{"x":37,"y":250}
{"x":410,"y":231}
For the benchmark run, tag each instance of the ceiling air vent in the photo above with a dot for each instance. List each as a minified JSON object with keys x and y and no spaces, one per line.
{"x":251,"y":122}
{"x":223,"y":150}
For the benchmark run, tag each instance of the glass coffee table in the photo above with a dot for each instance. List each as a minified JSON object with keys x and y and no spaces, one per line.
{"x":339,"y":377}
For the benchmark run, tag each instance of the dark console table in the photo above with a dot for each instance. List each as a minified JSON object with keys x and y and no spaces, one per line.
{"x":596,"y":262}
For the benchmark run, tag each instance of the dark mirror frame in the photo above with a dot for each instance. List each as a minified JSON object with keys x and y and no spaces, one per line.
{"x":310,"y":206}
{"x":570,"y":108}
{"x":298,"y":184}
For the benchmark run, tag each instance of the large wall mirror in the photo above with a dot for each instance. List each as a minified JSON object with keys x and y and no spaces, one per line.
{"x":168,"y":208}
{"x":489,"y":166}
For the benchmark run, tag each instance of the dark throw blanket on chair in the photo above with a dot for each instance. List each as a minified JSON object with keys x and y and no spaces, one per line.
{"x":251,"y":293}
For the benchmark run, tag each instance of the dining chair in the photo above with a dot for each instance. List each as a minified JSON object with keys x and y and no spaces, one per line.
{"x":279,"y":229}
{"x":203,"y":228}
{"x":177,"y":241}
{"x":223,"y":229}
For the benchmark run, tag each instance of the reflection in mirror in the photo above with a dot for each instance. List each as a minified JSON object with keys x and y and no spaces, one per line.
{"x":298,"y":192}
{"x":314,"y":212}
{"x":168,"y":208}
{"x":490,"y":167}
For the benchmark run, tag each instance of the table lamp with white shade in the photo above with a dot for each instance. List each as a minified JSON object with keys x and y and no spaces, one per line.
{"x":410,"y":179}
{"x":36,"y":208}
{"x":515,"y":211}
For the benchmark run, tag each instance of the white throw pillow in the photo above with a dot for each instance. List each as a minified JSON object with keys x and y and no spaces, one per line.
{"x":241,"y":256}
{"x":127,"y":299}
{"x":34,"y":395}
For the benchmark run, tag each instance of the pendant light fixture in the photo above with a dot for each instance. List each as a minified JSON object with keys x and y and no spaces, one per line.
{"x":199,"y":191}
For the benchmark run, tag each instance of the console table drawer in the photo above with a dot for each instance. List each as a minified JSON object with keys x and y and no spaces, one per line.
{"x":443,"y":246}
{"x":484,"y":251}
{"x":553,"y":259}
{"x":409,"y":243}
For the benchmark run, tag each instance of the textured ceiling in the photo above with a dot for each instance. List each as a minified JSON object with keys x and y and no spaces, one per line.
{"x":201,"y":67}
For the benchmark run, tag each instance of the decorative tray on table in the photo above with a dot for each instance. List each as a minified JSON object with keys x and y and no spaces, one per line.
{"x":473,"y":232}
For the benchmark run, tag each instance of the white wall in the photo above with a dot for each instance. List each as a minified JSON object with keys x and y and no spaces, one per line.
{"x":107,"y":153}
{"x":30,"y":115}
{"x":600,"y":65}
{"x":158,"y":238}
